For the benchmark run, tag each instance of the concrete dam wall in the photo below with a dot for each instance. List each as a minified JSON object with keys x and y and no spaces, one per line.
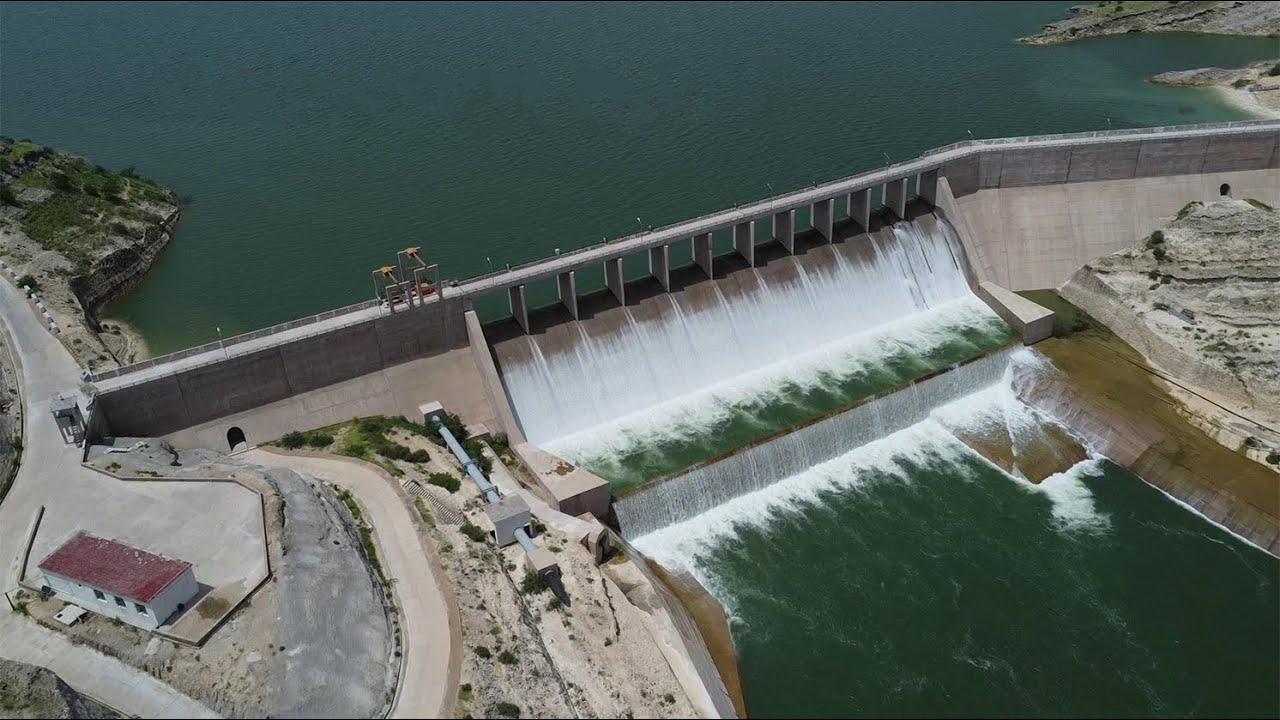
{"x":994,"y":192}
{"x":168,"y":403}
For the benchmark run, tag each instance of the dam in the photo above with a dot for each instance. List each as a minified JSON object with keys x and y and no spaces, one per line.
{"x":829,"y":418}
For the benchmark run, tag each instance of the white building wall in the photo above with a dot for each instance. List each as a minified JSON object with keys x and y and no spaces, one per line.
{"x":179,"y":592}
{"x":159,"y":610}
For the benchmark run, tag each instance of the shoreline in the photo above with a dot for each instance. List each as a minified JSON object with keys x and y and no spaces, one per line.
{"x":1245,"y":101}
{"x":127,"y":345}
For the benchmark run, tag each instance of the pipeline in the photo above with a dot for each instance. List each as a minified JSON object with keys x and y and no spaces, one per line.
{"x":473,"y":469}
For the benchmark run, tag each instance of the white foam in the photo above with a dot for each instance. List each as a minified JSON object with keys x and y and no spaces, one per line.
{"x":829,"y":365}
{"x":725,"y":344}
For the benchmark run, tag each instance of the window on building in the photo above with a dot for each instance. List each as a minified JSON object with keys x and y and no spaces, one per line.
{"x":141,"y":609}
{"x":99,"y":594}
{"x":119,"y":600}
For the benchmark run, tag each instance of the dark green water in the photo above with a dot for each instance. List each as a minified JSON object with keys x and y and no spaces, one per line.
{"x":316,"y":140}
{"x":917,"y":580}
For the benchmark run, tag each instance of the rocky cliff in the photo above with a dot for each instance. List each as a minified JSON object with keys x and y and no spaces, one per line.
{"x":27,"y":691}
{"x":1200,"y":299}
{"x":81,"y":235}
{"x":1233,"y":17}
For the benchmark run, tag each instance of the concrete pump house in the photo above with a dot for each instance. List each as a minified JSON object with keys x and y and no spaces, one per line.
{"x":120,"y":581}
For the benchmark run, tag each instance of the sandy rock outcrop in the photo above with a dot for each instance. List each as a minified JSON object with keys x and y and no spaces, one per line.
{"x":1233,"y":17}
{"x":1200,"y":300}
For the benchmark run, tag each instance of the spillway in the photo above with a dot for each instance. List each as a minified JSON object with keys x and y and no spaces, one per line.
{"x":643,"y":391}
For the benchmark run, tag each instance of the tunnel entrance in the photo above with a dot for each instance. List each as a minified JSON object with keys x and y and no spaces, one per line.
{"x":1225,"y":190}
{"x":235,"y":438}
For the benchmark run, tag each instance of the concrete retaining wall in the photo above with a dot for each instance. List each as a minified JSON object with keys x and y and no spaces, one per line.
{"x":242,"y":383}
{"x":1034,"y":237}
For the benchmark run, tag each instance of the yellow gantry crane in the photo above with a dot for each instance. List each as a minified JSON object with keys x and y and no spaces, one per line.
{"x":396,"y":287}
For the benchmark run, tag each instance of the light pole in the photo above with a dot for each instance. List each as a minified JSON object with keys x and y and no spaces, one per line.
{"x":1108,"y":124}
{"x":970,"y":135}
{"x":221,"y":343}
{"x":486,"y":259}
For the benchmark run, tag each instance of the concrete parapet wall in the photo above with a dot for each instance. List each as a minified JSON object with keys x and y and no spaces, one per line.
{"x":167,"y":404}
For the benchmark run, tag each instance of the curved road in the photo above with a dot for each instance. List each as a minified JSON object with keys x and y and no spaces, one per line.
{"x":427,"y":677}
{"x":47,"y":462}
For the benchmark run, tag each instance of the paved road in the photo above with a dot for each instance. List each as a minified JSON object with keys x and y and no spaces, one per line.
{"x":90,"y":672}
{"x":48,"y":368}
{"x":427,"y":687}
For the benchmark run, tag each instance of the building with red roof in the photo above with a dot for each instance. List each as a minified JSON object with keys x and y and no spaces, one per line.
{"x":119,"y":580}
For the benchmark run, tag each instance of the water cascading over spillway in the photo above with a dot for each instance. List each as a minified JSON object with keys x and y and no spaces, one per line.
{"x":756,"y":467}
{"x":711,"y":351}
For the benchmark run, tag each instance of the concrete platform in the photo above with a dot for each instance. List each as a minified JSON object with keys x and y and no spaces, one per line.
{"x":571,"y":489}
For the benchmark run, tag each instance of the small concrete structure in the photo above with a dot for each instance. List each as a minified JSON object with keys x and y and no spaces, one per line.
{"x":615,"y":279}
{"x":860,"y":208}
{"x":519,"y":307}
{"x":660,"y":265}
{"x":567,"y":286}
{"x":567,"y":487}
{"x":784,"y":230}
{"x":744,"y":241}
{"x":895,"y":196}
{"x":822,"y":217}
{"x":120,"y":581}
{"x":703,"y":252}
{"x":542,"y":562}
{"x":505,"y":517}
{"x":1034,"y":322}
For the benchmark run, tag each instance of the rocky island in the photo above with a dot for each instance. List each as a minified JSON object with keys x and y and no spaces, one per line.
{"x":81,"y":235}
{"x":1253,"y":88}
{"x":1236,"y":17}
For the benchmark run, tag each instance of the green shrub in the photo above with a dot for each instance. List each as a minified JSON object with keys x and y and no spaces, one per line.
{"x":506,"y":709}
{"x":319,"y":439}
{"x":355,"y":448}
{"x":555,"y":603}
{"x":292,"y":440}
{"x":1273,"y":457}
{"x":506,"y":658}
{"x":445,"y":480}
{"x":475,"y":449}
{"x":455,"y":425}
{"x":1159,"y":253}
{"x":483,"y":652}
{"x":6,"y":195}
{"x":1242,"y":82}
{"x":60,"y":181}
{"x":419,"y":456}
{"x":30,"y":282}
{"x":473,"y":531}
{"x":532,"y":583}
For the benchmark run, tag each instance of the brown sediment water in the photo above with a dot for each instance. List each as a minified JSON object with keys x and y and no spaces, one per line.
{"x":1106,"y":392}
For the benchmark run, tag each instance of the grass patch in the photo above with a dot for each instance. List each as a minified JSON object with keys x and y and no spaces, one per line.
{"x":424,"y":512}
{"x":1186,"y":209}
{"x":483,"y":652}
{"x":29,"y":281}
{"x":1259,"y":204}
{"x":314,"y":438}
{"x":369,"y":548}
{"x":506,"y":658}
{"x":532,"y":584}
{"x":507,"y":710}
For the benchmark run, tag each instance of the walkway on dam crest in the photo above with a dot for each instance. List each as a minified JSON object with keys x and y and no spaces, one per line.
{"x":429,"y":676}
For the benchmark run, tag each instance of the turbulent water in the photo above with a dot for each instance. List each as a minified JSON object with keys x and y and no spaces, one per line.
{"x":911,"y":577}
{"x":658,"y":396}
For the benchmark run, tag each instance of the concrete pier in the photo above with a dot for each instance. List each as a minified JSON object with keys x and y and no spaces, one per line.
{"x":744,"y":241}
{"x":927,"y":186}
{"x":860,"y":208}
{"x":614,"y":278}
{"x":703,"y":252}
{"x":895,"y":196}
{"x":822,"y":214}
{"x":567,"y":285}
{"x":784,"y":230}
{"x":519,"y":308}
{"x":660,"y":265}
